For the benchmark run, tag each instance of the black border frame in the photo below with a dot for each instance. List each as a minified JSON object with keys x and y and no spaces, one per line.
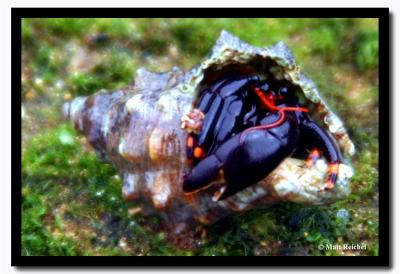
{"x":384,"y":139}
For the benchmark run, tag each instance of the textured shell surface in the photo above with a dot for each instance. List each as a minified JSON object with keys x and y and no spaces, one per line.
{"x":137,"y":129}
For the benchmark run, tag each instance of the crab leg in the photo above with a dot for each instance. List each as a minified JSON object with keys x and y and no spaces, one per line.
{"x":209,"y":120}
{"x":210,"y":103}
{"x":319,"y":138}
{"x":312,"y":157}
{"x":225,"y":126}
{"x":226,"y":102}
{"x":208,"y":96}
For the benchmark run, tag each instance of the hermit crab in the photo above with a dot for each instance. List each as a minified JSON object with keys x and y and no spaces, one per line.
{"x":245,"y":141}
{"x":242,"y":129}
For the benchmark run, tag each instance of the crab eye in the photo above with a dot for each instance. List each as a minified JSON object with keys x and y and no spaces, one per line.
{"x":283,"y":91}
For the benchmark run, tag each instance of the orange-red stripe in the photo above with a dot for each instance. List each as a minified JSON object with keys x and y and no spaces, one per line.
{"x":314,"y":153}
{"x":334,"y":168}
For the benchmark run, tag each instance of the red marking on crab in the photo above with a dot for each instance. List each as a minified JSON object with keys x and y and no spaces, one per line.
{"x":247,"y":131}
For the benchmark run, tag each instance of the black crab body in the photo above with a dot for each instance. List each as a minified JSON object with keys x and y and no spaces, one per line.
{"x":247,"y":132}
{"x":224,"y":105}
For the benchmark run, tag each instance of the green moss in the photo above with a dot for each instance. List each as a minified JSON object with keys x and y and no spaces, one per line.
{"x":366,"y":49}
{"x":38,"y":239}
{"x":73,"y":205}
{"x":115,"y":70}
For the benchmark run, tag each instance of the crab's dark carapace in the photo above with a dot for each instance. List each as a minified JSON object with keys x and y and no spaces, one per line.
{"x":248,"y":130}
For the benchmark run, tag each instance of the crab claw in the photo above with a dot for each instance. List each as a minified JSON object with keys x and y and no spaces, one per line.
{"x":202,"y":176}
{"x":242,"y":163}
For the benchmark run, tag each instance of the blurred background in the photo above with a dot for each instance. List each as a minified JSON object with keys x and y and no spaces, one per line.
{"x":72,"y":203}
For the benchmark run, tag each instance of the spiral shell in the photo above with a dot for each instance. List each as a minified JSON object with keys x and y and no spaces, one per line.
{"x":138,"y":130}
